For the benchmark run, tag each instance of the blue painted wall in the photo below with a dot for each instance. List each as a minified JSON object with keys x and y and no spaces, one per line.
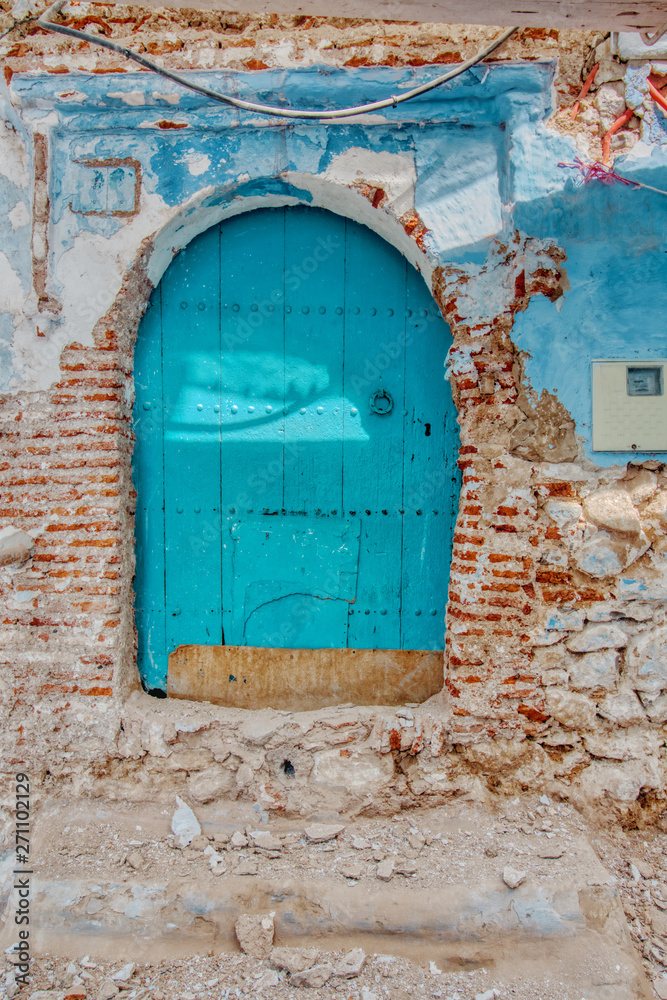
{"x":616,"y":241}
{"x":484,"y":166}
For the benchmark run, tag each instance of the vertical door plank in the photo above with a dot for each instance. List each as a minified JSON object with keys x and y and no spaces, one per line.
{"x":191,"y":366}
{"x":430,"y":457}
{"x":314,"y":325}
{"x":252,"y":270}
{"x":252,"y":265}
{"x":375,"y":288}
{"x":148,"y":477}
{"x":314,"y":331}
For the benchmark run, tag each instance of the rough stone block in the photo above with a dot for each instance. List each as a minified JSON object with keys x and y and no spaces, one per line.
{"x":555,"y":675}
{"x":15,"y":546}
{"x":184,"y":824}
{"x":595,"y":637}
{"x":575,"y":711}
{"x":594,"y":670}
{"x":563,"y":512}
{"x":610,"y":102}
{"x":614,"y":510}
{"x":313,"y":978}
{"x":657,"y":510}
{"x":623,"y":708}
{"x":319,"y":833}
{"x":214,"y":782}
{"x":351,"y":964}
{"x":265,"y":840}
{"x":294,"y":959}
{"x":605,"y":556}
{"x":643,"y":486}
{"x":647,"y":662}
{"x":656,"y":709}
{"x":622,"y":782}
{"x":566,"y":620}
{"x":513,"y":878}
{"x":360,"y":770}
{"x":623,"y":744}
{"x":255,"y":934}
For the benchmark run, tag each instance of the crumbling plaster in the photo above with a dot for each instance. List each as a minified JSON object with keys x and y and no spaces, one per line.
{"x":466,"y":184}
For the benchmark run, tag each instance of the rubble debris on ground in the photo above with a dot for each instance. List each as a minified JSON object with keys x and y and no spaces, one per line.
{"x":518,"y":844}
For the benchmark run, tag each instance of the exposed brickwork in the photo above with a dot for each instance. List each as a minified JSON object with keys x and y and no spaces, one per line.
{"x":65,"y":476}
{"x":70,"y":704}
{"x":493,"y":595}
{"x":67,"y":621}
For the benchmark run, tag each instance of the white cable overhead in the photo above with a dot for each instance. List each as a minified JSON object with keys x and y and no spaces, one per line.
{"x":47,"y":24}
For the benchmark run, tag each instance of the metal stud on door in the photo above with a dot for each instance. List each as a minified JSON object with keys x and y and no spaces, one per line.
{"x":304,"y":487}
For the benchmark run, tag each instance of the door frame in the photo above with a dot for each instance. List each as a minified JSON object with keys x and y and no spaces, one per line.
{"x":346,"y":202}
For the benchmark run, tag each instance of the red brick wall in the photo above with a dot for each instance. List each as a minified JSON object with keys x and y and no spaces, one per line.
{"x":65,"y":477}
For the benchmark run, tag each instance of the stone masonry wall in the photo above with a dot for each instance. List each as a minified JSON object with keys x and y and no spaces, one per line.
{"x":556,"y":673}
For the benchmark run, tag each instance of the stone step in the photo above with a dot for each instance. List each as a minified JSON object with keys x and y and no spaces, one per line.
{"x":432,"y":886}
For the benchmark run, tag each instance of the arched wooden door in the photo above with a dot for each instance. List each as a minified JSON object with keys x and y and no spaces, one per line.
{"x":296,"y":445}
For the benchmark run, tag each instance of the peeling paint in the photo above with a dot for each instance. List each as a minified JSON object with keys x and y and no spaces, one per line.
{"x":11,"y":291}
{"x":198,"y":163}
{"x":465,"y":183}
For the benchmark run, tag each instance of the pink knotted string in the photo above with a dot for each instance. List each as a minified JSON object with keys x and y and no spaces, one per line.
{"x":598,"y":172}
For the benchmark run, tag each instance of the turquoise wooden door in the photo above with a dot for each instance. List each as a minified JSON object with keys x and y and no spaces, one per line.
{"x":296,"y":445}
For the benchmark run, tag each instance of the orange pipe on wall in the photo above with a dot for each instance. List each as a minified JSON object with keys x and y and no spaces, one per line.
{"x":606,"y":138}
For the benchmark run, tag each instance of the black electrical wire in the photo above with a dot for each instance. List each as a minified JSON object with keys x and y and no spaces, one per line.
{"x":47,"y":24}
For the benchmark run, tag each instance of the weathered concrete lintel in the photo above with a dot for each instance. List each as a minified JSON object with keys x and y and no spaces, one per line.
{"x":608,"y":15}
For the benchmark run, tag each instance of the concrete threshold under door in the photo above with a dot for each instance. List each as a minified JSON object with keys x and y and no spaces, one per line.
{"x":303,"y":680}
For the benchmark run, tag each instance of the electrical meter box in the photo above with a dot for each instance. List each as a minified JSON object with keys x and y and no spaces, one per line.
{"x":629,"y":405}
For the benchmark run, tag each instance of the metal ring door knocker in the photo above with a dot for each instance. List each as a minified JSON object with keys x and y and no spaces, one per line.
{"x":381,"y":402}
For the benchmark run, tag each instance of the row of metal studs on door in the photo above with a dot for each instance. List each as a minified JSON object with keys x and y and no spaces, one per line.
{"x":177,"y":611}
{"x":355,"y":310}
{"x":299,"y":513}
